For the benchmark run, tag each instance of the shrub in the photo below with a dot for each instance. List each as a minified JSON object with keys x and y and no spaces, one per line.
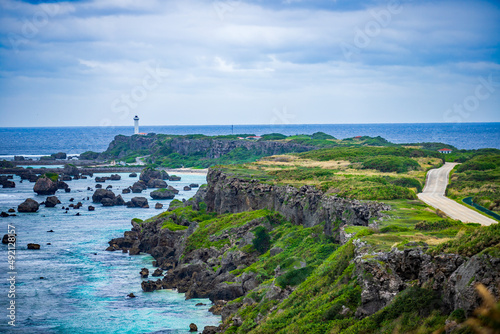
{"x":322,"y":136}
{"x":262,"y":240}
{"x":388,"y":164}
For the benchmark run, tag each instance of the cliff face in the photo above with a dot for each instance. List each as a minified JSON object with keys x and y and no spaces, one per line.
{"x":306,"y":206}
{"x":220,"y":272}
{"x":451,"y":276}
{"x":209,"y":148}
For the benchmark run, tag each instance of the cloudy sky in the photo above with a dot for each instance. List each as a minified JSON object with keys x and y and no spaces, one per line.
{"x":100,"y":62}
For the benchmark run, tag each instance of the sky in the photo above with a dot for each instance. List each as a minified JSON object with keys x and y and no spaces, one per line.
{"x":101,"y":62}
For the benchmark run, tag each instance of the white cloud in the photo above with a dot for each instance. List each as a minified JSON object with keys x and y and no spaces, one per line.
{"x":253,"y":59}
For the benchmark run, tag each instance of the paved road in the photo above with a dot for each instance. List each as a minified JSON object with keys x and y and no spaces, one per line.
{"x":433,"y":194}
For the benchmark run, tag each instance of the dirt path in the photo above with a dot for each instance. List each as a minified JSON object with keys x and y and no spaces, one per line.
{"x":433,"y":195}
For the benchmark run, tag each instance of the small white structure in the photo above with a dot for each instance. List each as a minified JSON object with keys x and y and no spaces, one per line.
{"x":136,"y":125}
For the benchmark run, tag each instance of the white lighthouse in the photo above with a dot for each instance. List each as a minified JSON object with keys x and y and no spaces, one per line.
{"x":136,"y":125}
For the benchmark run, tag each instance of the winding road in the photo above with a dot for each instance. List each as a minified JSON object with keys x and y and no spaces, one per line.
{"x":433,"y":195}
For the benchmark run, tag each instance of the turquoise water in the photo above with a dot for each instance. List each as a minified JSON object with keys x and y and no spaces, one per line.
{"x":85,"y":288}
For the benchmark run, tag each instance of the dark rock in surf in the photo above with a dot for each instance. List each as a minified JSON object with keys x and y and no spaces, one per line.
{"x":28,"y":205}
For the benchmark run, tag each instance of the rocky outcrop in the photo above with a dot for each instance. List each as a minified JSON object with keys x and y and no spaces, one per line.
{"x":52,"y":201}
{"x":157,"y":183}
{"x":138,"y":187}
{"x":71,"y":170}
{"x":101,"y":194}
{"x":162,"y":194}
{"x":150,"y":174}
{"x":208,"y":147}
{"x":382,"y":276}
{"x":45,"y":186}
{"x":306,"y":206}
{"x":6,"y":183}
{"x":28,"y":205}
{"x":138,"y":202}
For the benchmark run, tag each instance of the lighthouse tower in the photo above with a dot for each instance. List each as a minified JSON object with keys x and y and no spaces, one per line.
{"x":136,"y":125}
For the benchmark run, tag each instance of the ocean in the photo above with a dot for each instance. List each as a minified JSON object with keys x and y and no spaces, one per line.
{"x":76,"y":140}
{"x":72,"y":285}
{"x":84,"y":288}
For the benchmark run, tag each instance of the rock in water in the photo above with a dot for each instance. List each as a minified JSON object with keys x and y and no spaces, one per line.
{"x":91,"y":208}
{"x":119,"y":200}
{"x":158,"y":206}
{"x":100,"y":194}
{"x":133,"y":175}
{"x":28,"y":205}
{"x":144,"y":273}
{"x":33,"y":246}
{"x":172,"y":189}
{"x":174,"y":178}
{"x":126,"y":191}
{"x":162,"y":194}
{"x":157,"y":183}
{"x":186,"y":188}
{"x":115,"y":177}
{"x":158,"y":272}
{"x":138,"y":187}
{"x":131,"y":295}
{"x":6,"y":237}
{"x":138,"y":202}
{"x":52,"y":201}
{"x":45,"y":186}
{"x":193,"y":328}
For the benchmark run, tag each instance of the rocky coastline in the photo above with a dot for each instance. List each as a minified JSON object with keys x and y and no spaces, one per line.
{"x":213,"y":272}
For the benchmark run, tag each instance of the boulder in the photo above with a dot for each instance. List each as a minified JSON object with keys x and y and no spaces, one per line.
{"x":210,"y":330}
{"x":162,"y":194}
{"x":138,"y":202}
{"x":149,"y":173}
{"x":107,"y":202}
{"x":33,"y":246}
{"x":133,"y":175}
{"x":109,"y":187}
{"x":91,"y":208}
{"x":194,"y":185}
{"x":18,"y":158}
{"x":149,"y":286}
{"x":71,"y":170}
{"x":52,"y":201}
{"x":98,"y":186}
{"x":28,"y":205}
{"x":174,"y":178}
{"x":100,"y":194}
{"x":4,"y":214}
{"x":62,"y":185}
{"x":187,"y":188}
{"x":158,"y":206}
{"x":66,"y":178}
{"x":11,"y":210}
{"x":101,"y":179}
{"x":126,"y":191}
{"x":144,"y":273}
{"x":131,"y":295}
{"x":8,"y":184}
{"x":118,"y":200}
{"x":172,"y":189}
{"x":157,"y":183}
{"x":158,"y":272}
{"x":138,"y":187}
{"x":45,"y":186}
{"x":193,"y":327}
{"x":115,"y":177}
{"x":6,"y":237}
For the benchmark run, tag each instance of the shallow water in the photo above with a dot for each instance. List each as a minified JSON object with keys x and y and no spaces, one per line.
{"x":84,"y":288}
